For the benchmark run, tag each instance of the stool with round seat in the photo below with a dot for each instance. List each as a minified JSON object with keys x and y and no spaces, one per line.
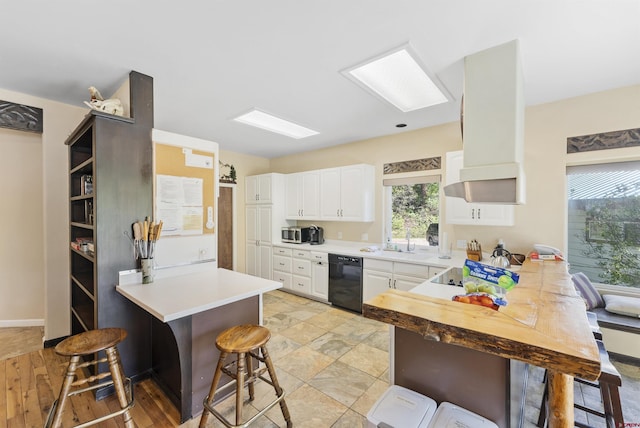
{"x":88,"y":344}
{"x":248,"y":342}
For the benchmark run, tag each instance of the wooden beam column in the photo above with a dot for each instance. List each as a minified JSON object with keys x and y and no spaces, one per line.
{"x":560,"y":400}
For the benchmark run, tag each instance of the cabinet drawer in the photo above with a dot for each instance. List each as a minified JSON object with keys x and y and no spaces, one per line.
{"x":301,"y":267}
{"x":301,"y":284}
{"x":421,"y":271}
{"x":284,"y":278}
{"x":374,"y":264}
{"x":317,"y":256}
{"x":279,"y":251}
{"x":302,"y":254}
{"x":281,"y":263}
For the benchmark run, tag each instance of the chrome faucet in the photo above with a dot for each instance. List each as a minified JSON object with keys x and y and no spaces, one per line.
{"x":409,"y":248}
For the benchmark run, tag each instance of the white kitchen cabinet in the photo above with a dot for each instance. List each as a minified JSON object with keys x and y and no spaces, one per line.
{"x":282,"y":267}
{"x":347,"y":193}
{"x":374,"y":282}
{"x":259,"y":188}
{"x":303,"y":195}
{"x":263,"y":222}
{"x":459,"y":211}
{"x":320,"y":275}
{"x":301,"y":271}
{"x":381,"y":275}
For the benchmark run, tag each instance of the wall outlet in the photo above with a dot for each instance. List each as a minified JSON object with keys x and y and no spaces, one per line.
{"x":339,"y":235}
{"x":461,"y":244}
{"x":365,"y":236}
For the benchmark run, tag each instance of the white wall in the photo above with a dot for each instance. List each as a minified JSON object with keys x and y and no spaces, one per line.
{"x":53,"y":240}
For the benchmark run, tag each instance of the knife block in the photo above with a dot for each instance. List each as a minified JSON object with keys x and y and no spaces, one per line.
{"x":475,"y":255}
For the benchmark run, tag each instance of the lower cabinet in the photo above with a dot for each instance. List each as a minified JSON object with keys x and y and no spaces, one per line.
{"x":320,"y":275}
{"x":381,"y":275}
{"x":303,"y":272}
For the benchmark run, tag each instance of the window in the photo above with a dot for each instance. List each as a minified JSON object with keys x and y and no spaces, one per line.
{"x":604,"y":222}
{"x":412,"y":210}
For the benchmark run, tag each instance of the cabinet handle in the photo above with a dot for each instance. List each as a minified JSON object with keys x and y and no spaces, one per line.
{"x":281,"y":264}
{"x":478,"y":213}
{"x":389,"y":282}
{"x":338,"y":212}
{"x":301,"y":213}
{"x":341,"y":215}
{"x":473,"y":213}
{"x":394,"y":284}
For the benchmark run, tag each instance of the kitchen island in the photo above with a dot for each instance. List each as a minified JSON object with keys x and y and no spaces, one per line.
{"x":465,"y":346}
{"x":190,"y":306}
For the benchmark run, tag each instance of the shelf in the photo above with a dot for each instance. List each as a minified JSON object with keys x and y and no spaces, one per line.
{"x":87,"y":256}
{"x":85,"y":167}
{"x":84,"y":281}
{"x":82,"y":225}
{"x":82,"y":197}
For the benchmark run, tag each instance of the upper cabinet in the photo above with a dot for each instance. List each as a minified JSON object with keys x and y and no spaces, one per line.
{"x":258,"y":189}
{"x":461,"y":212}
{"x":303,"y":195}
{"x":347,"y":193}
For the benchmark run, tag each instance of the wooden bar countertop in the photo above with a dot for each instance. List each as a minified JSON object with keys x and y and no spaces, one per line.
{"x":544,"y":324}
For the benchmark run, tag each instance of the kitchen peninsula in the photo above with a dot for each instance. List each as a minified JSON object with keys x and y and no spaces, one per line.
{"x":191,"y":305}
{"x":463,"y":353}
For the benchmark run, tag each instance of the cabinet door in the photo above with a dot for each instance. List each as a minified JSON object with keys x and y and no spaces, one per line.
{"x":264,"y":225}
{"x":320,"y":280}
{"x":374,"y":283}
{"x":293,"y":191}
{"x":351,"y":188}
{"x":309,"y":195}
{"x":406,"y":283}
{"x":265,"y":265}
{"x":330,"y":194}
{"x":252,"y":258}
{"x":301,"y":284}
{"x":251,"y":224}
{"x":283,"y":278}
{"x":264,"y":188}
{"x":251,"y":189}
{"x":492,"y":215}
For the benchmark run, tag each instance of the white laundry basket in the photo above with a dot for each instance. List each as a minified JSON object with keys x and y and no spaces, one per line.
{"x":451,"y":416}
{"x":400,"y":407}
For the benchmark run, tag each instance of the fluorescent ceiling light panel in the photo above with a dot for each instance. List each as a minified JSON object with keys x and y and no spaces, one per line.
{"x":263,"y":120}
{"x":400,"y":80}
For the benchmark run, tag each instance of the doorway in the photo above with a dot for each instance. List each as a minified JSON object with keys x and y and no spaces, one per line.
{"x":226,"y":228}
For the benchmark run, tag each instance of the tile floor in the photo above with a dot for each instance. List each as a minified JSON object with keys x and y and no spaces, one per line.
{"x":333,"y":366}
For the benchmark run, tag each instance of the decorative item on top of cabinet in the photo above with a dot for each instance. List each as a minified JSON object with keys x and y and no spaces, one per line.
{"x":458,"y":211}
{"x":347,"y":193}
{"x":231,"y":176}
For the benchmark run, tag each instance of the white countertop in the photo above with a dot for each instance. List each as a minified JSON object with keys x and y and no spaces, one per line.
{"x":173,"y":297}
{"x":419,"y":256}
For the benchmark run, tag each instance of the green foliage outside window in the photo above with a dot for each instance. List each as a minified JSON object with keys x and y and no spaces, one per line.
{"x":414,"y":207}
{"x":612,"y":237}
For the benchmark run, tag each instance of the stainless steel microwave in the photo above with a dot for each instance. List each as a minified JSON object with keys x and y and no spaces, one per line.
{"x":295,"y":235}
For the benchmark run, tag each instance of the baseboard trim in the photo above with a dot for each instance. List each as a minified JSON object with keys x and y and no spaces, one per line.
{"x":22,"y":323}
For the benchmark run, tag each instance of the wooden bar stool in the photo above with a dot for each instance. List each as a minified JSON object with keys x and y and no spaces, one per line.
{"x":86,"y":344}
{"x":608,"y":383}
{"x":243,"y":340}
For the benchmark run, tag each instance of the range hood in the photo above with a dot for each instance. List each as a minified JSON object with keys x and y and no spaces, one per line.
{"x":493,"y":128}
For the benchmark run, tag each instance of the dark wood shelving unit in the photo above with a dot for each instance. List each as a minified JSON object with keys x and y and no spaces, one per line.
{"x":111,"y":186}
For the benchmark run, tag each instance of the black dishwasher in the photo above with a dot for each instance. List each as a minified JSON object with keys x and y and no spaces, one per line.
{"x":345,"y":282}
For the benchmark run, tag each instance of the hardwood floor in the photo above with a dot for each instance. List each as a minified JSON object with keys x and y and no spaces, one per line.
{"x":30,"y":383}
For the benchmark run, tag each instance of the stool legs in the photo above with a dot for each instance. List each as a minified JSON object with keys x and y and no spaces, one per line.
{"x":276,"y":385}
{"x":244,"y":365}
{"x":64,"y":391}
{"x":212,"y":392}
{"x":113,"y":357}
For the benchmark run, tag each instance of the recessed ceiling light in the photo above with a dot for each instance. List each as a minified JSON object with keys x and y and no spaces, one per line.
{"x":263,"y":120}
{"x":399,"y":79}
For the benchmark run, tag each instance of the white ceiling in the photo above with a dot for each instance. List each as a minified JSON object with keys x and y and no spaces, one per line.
{"x":212,"y":60}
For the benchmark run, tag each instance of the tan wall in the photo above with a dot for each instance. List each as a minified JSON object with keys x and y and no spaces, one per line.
{"x":53,"y":241}
{"x":543,"y":218}
{"x":21,"y":228}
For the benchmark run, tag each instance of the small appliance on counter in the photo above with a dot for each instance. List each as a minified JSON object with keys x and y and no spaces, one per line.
{"x":316,"y":235}
{"x":295,"y":235}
